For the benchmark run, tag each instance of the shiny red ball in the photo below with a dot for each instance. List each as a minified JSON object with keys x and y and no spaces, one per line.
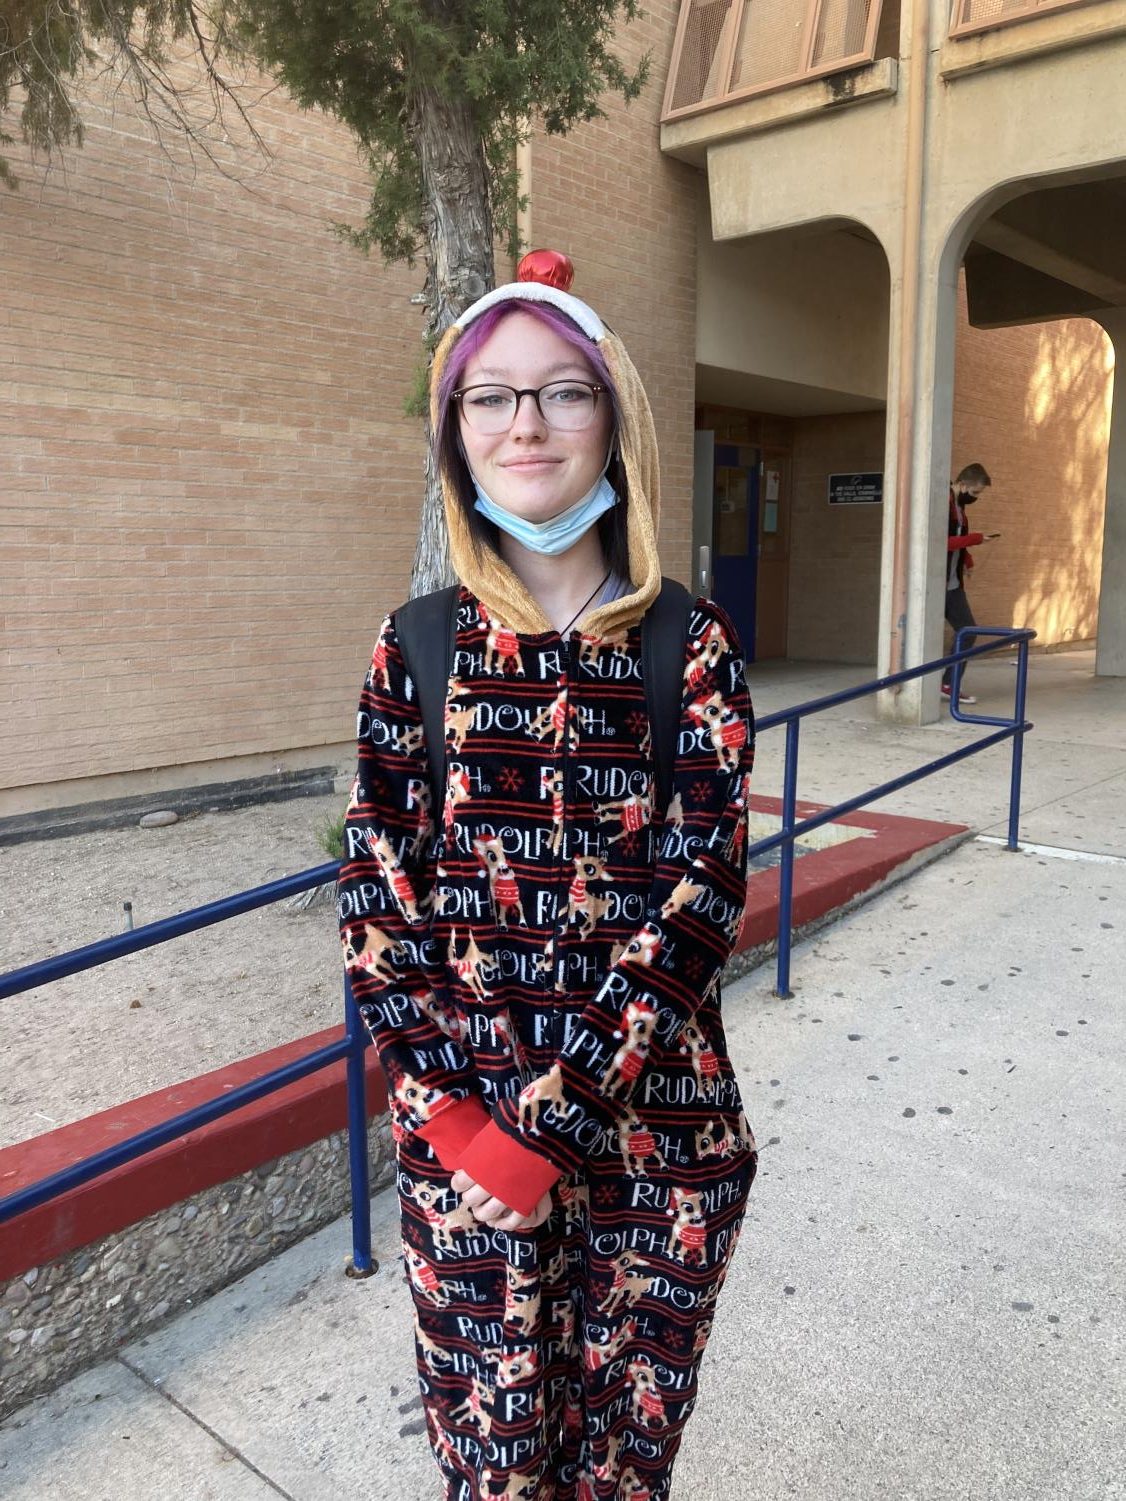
{"x":551,"y":267}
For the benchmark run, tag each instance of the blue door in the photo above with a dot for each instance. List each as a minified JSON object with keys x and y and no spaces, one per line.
{"x":735,"y":537}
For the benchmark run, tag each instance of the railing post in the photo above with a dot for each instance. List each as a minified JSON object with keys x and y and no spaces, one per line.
{"x":786,"y":867}
{"x":1018,"y":744}
{"x":360,"y":1263}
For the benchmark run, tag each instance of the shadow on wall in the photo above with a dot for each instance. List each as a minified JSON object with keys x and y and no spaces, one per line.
{"x":1033,"y":405}
{"x":1071,"y":389}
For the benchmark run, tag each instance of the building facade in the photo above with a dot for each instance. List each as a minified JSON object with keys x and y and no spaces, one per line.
{"x":209,"y":490}
{"x":918,"y":214}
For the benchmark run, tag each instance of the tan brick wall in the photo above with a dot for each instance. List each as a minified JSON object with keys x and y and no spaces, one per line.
{"x":1033,"y":405}
{"x":834,"y":550}
{"x":209,"y":489}
{"x":627,"y":216}
{"x":210,"y":493}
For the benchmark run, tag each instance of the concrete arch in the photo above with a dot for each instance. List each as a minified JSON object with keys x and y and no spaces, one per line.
{"x":792,"y":376}
{"x":1053,"y":118}
{"x":826,"y":219}
{"x":966,"y":220}
{"x":807,"y":306}
{"x":1058,"y":239}
{"x":984,"y":214}
{"x":805,"y":186}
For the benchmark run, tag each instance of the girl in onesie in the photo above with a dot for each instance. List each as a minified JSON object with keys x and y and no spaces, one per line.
{"x":538,"y":959}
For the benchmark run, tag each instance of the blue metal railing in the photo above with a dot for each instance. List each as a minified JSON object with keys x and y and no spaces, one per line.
{"x":351,"y":1046}
{"x":1014,"y":729}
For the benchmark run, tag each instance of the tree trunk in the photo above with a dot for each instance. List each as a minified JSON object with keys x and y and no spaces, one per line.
{"x":458,"y":225}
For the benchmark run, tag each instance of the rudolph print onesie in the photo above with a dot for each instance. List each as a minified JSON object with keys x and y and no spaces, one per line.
{"x":537,"y":961}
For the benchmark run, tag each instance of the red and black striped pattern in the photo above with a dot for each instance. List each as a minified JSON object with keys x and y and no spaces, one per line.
{"x":538,"y":963}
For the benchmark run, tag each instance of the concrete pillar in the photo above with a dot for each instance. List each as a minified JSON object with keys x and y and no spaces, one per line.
{"x":885,"y":702}
{"x":918,"y":702}
{"x":1110,"y":655}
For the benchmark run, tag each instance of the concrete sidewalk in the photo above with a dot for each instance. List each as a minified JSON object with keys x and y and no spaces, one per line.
{"x":1075,"y":757}
{"x":927,"y":1303}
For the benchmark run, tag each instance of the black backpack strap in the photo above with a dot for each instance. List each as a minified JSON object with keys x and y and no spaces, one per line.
{"x":664,"y":636}
{"x":426,"y":629}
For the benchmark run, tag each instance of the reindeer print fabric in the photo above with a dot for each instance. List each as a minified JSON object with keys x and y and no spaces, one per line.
{"x":538,"y":963}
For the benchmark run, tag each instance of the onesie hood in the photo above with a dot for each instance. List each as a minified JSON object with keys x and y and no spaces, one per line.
{"x":482,"y":570}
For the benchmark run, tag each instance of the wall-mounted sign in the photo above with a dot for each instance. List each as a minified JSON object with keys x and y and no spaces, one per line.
{"x":856,"y":489}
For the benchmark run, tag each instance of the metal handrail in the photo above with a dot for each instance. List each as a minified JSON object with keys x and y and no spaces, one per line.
{"x":350,"y":1048}
{"x":74,"y":961}
{"x":1014,"y":729}
{"x":352,"y":1045}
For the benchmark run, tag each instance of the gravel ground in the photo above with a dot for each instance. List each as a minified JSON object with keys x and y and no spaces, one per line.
{"x":148,"y":1021}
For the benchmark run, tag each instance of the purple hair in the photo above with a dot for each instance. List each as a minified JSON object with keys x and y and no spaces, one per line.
{"x":448,"y":449}
{"x":483,"y":327}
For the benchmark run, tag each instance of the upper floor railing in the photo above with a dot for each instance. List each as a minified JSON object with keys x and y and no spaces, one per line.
{"x":733,"y":49}
{"x":971,"y":16}
{"x":728,"y":50}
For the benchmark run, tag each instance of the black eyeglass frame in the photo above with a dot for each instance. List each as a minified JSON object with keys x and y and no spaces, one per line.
{"x":594,"y":387}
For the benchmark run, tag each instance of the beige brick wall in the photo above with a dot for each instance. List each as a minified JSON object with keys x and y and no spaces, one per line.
{"x":1033,"y":405}
{"x":209,"y":491}
{"x":627,"y":215}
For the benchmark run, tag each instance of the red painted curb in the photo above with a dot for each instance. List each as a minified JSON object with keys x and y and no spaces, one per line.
{"x":826,"y":879}
{"x":286,"y":1121}
{"x":314,"y":1107}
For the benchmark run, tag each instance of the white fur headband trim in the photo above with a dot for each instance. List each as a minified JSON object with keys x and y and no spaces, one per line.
{"x":538,"y":291}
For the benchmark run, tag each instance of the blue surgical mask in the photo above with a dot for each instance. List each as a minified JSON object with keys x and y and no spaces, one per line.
{"x":562,"y":531}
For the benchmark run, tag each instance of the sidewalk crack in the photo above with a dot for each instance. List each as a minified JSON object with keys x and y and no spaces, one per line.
{"x":192,"y":1417}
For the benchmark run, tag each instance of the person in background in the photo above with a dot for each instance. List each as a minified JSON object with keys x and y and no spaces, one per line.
{"x":964,"y":491}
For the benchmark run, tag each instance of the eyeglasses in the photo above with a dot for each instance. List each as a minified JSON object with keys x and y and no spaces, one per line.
{"x":566,"y":405}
